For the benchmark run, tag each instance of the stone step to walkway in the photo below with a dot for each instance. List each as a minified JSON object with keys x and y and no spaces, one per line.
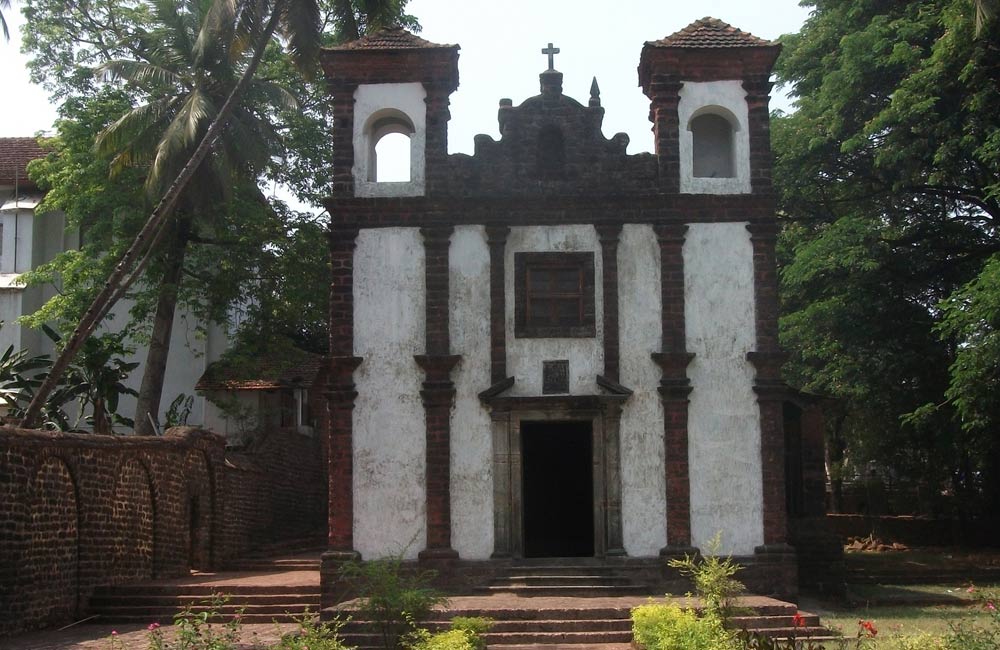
{"x":254,"y":603}
{"x":574,"y":622}
{"x":201,"y":591}
{"x":570,"y":590}
{"x":109,"y":602}
{"x":567,"y":579}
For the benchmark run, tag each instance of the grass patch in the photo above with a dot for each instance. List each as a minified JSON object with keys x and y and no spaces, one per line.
{"x":908,"y":594}
{"x":899,"y":621}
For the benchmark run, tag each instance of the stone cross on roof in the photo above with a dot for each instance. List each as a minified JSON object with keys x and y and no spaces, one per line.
{"x":551,"y":51}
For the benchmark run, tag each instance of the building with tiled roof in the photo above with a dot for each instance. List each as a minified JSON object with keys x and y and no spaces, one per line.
{"x":15,"y":154}
{"x":279,"y":389}
{"x":391,"y":38}
{"x":710,"y":32}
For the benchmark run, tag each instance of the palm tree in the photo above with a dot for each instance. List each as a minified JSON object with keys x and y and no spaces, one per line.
{"x":986,"y":10}
{"x":298,"y":21}
{"x":189,"y":71}
{"x":252,"y":22}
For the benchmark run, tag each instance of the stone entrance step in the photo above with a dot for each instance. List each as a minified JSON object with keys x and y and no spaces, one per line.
{"x":523,"y":621}
{"x":565,"y":577}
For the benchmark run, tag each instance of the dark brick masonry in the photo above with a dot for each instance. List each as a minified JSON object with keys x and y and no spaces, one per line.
{"x":80,"y":511}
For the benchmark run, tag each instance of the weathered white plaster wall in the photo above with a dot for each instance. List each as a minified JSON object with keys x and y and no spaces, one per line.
{"x":369,"y":101}
{"x":710,"y":96}
{"x":471,"y":436}
{"x":723,"y":418}
{"x":17,"y":221}
{"x":31,"y":239}
{"x":525,"y":355}
{"x":643,"y":481}
{"x":10,"y":310}
{"x":389,"y":429}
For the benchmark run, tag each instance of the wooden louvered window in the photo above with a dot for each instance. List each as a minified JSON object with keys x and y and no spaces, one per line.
{"x":554,"y":295}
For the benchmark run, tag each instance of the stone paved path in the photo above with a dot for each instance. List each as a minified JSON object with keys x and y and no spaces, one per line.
{"x":129,"y":637}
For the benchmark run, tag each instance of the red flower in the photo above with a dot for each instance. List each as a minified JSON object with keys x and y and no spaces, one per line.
{"x":868,"y":627}
{"x":798,"y":620}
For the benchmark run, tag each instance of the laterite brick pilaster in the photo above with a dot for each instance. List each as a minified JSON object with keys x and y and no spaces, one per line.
{"x":340,"y":396}
{"x":674,"y":388}
{"x":664,"y":96}
{"x":438,"y":394}
{"x":758,"y":95}
{"x":771,"y":391}
{"x":608,"y":235}
{"x":343,"y":137}
{"x":496,"y":237}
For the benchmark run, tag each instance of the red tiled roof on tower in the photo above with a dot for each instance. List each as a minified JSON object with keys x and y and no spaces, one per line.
{"x":15,"y":154}
{"x":390,"y":38}
{"x":710,"y":33}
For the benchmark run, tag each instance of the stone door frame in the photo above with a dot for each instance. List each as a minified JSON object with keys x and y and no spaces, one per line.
{"x":604,"y":415}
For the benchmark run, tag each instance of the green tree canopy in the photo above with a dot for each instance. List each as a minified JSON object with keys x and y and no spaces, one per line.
{"x":889,"y":181}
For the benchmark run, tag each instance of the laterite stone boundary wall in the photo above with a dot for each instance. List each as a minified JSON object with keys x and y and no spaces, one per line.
{"x":78,"y":511}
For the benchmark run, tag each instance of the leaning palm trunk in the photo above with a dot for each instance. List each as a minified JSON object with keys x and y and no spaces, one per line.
{"x":147,"y":406}
{"x":120,"y":279}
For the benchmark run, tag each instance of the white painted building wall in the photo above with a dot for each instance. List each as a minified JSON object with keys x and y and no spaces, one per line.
{"x":388,"y":417}
{"x":525,"y":355}
{"x":724,"y":427}
{"x":723,"y":416}
{"x":471,"y":435}
{"x":642,"y":455}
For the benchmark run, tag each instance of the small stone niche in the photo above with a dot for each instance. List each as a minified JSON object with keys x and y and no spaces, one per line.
{"x":555,"y":377}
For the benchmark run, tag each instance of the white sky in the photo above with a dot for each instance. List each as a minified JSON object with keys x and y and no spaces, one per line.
{"x":500,"y":56}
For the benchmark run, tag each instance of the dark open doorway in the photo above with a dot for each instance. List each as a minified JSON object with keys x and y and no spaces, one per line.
{"x":558,"y":489}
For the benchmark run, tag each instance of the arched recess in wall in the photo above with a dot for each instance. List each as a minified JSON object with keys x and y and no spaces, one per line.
{"x":133,"y":517}
{"x":199,"y":506}
{"x":390,"y":146}
{"x":550,"y":156}
{"x":52,"y":558}
{"x":713,"y":142}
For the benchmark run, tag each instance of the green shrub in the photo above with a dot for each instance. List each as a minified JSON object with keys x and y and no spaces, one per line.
{"x":312,"y":635}
{"x":421,"y":639}
{"x":393,"y":597}
{"x":669,"y":627}
{"x":713,"y":579}
{"x":475,"y":626}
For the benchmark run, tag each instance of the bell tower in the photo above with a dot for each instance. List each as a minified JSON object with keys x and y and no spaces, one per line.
{"x":708,"y":88}
{"x":390,"y":82}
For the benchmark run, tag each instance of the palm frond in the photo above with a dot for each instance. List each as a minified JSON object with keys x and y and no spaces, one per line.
{"x":4,"y":4}
{"x":249,"y":24}
{"x":986,"y":10}
{"x":132,"y":138}
{"x":274,"y":95}
{"x":138,"y":72}
{"x":300,"y":25}
{"x":216,"y":32}
{"x":176,"y":19}
{"x":179,"y":138}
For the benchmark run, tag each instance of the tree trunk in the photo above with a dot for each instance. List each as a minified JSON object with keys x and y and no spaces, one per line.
{"x":119,"y":279}
{"x":151,"y":390}
{"x":835,"y":463}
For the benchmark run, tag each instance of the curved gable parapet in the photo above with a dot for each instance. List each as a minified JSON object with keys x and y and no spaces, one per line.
{"x":548,"y":144}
